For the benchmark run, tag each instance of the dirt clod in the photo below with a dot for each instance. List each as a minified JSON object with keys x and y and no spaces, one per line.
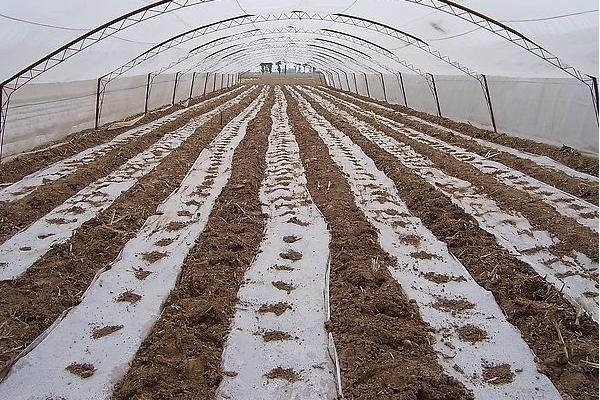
{"x":105,"y":331}
{"x":287,"y":374}
{"x":129,"y":297}
{"x":83,"y":370}
{"x":498,"y":374}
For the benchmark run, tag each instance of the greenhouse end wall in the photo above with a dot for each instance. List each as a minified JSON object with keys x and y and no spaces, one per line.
{"x":40,"y":114}
{"x":558,"y":111}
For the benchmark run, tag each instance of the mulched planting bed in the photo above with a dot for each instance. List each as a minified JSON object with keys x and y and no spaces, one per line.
{"x":19,"y":166}
{"x":31,"y":303}
{"x":565,"y":154}
{"x":572,"y":235}
{"x":181,"y":358}
{"x":384,"y":347}
{"x":19,"y":214}
{"x":533,"y":306}
{"x":578,"y":187}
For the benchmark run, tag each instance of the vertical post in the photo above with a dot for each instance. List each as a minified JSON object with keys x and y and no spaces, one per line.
{"x":383,"y":85}
{"x":489,"y":101}
{"x":401,"y":81}
{"x":97,"y":119}
{"x":320,"y":79}
{"x":347,"y":81}
{"x":355,"y":84}
{"x":192,"y":87}
{"x":175,"y":88}
{"x":437,"y":100}
{"x":339,"y":79}
{"x":595,"y":94}
{"x":367,"y":83}
{"x":205,"y":83}
{"x":222,"y":77}
{"x":215,"y":82}
{"x":2,"y":119}
{"x":147,"y":94}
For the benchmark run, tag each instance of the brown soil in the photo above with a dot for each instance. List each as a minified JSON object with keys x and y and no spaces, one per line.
{"x":277,"y":308}
{"x":20,"y":166}
{"x":287,"y":374}
{"x":83,"y":370}
{"x":271,"y":336}
{"x":19,"y":214}
{"x":291,"y":255}
{"x":31,"y":303}
{"x":181,"y":358}
{"x":572,"y":235}
{"x":290,"y":239}
{"x":566,"y":155}
{"x":105,"y":331}
{"x":527,"y":300}
{"x":458,"y":305}
{"x":578,"y":187}
{"x":153,"y":256}
{"x":383,"y":345}
{"x":498,"y":374}
{"x":442,"y":278}
{"x":129,"y":297}
{"x":286,"y":287}
{"x":471,"y":333}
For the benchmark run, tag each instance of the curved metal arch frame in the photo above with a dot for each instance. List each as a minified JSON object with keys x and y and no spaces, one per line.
{"x":164,"y":6}
{"x":321,"y":32}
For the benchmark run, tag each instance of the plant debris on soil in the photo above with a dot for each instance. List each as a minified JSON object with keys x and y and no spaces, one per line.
{"x":471,"y":333}
{"x":498,"y":374}
{"x":181,"y":357}
{"x":287,"y":374}
{"x":83,"y":370}
{"x":105,"y":331}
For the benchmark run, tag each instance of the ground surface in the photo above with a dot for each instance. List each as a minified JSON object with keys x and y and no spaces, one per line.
{"x":298,"y":242}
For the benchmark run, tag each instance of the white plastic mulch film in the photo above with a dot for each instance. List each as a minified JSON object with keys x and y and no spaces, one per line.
{"x":538,"y":58}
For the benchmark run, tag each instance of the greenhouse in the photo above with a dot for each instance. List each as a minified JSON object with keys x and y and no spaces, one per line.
{"x":341,"y":199}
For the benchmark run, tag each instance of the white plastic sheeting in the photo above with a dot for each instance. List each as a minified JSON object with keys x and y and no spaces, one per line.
{"x":553,"y":110}
{"x":72,"y":340}
{"x":42,"y":113}
{"x":394,"y":223}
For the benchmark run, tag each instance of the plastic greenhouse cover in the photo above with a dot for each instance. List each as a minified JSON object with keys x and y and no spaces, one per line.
{"x":567,"y":28}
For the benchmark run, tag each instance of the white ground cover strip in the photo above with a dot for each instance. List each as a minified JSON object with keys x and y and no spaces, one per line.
{"x":447,"y":306}
{"x":69,"y":165}
{"x":147,"y":270}
{"x":584,"y":213}
{"x":575,"y":276}
{"x":294,"y":224}
{"x":19,"y":252}
{"x":544,"y":161}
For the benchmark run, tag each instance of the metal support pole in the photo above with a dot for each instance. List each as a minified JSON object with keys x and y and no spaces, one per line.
{"x":339,"y":79}
{"x":2,"y":119}
{"x":215,"y":82}
{"x":97,"y":120}
{"x":383,"y":84}
{"x":320,"y":79}
{"x":347,"y":81}
{"x":147,"y":94}
{"x":355,"y":84}
{"x":489,"y":101}
{"x":437,"y":100}
{"x":205,"y":83}
{"x":401,"y":81}
{"x":175,"y":88}
{"x":222,"y":78}
{"x":595,"y":94}
{"x":192,"y":87}
{"x":367,"y":82}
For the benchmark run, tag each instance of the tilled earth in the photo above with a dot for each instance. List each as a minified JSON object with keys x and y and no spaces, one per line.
{"x":381,"y":348}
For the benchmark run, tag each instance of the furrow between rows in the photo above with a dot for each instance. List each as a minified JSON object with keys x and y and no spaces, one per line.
{"x":563,"y":340}
{"x":102,"y":334}
{"x":576,"y":279}
{"x":278,"y":346}
{"x":583,"y":212}
{"x":385,"y":348}
{"x":181,"y":357}
{"x":451,"y":308}
{"x":562,"y":158}
{"x":55,"y":283}
{"x":26,"y":247}
{"x":69,"y":165}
